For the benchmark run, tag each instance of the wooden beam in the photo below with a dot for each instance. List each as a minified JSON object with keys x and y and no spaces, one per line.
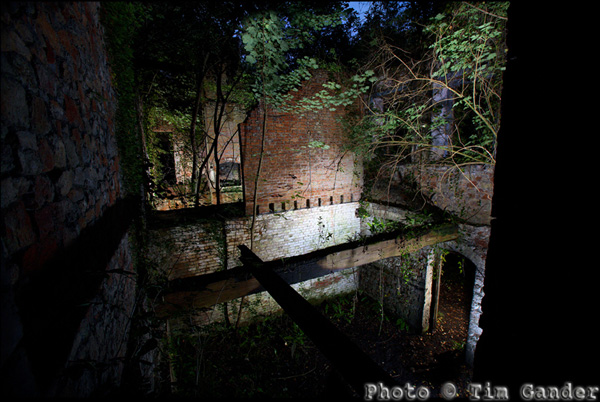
{"x":356,"y":366}
{"x":210,"y":289}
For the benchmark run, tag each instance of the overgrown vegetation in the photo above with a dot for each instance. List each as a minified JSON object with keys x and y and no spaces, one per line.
{"x":434,"y":72}
{"x":121,"y":21}
{"x":422,"y":83}
{"x":439,"y":103}
{"x":270,"y":357}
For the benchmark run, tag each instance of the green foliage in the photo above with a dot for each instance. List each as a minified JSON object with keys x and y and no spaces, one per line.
{"x":294,"y":339}
{"x":402,"y":325}
{"x":187,"y":57}
{"x":121,"y":22}
{"x":179,"y":123}
{"x":269,"y":40}
{"x":250,"y":351}
{"x":470,"y":41}
{"x":376,"y":225}
{"x":461,"y":59}
{"x":341,"y":309}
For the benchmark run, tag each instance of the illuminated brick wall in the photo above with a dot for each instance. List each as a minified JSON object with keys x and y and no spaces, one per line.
{"x":295,"y":175}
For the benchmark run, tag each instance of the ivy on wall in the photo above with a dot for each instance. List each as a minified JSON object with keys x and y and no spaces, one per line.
{"x":120,"y":22}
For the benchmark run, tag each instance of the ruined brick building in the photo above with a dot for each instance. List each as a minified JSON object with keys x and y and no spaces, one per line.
{"x":69,"y":295}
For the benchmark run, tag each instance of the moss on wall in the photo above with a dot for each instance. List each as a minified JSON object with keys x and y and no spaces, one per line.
{"x":120,"y":22}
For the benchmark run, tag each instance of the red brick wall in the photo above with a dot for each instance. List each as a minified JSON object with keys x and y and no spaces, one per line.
{"x":291,"y":170}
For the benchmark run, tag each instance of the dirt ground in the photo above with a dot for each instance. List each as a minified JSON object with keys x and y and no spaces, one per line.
{"x":274,"y":359}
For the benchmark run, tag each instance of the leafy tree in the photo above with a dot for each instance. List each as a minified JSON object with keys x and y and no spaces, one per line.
{"x":442,"y":106}
{"x":399,"y":24}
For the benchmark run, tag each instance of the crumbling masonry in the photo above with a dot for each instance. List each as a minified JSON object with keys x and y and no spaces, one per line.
{"x":67,"y":303}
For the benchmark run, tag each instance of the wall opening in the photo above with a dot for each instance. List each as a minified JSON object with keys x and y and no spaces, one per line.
{"x":229,"y":174}
{"x":167,"y":158}
{"x":451,"y":307}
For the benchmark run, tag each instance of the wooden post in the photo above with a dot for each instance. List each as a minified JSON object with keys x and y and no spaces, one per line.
{"x":435,"y":302}
{"x":356,"y":367}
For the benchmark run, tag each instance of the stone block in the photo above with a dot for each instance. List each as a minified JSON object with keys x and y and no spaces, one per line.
{"x":46,"y":155}
{"x":43,"y":190}
{"x":15,"y":112}
{"x":40,"y":123}
{"x":19,"y":232}
{"x":30,"y":162}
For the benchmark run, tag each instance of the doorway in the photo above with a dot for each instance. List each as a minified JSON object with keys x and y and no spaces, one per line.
{"x":453,"y":294}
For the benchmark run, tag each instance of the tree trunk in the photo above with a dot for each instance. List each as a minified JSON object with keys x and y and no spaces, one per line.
{"x":195,"y":112}
{"x":260,"y":160}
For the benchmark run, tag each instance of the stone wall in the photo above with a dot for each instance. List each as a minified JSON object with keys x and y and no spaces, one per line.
{"x":60,"y":176}
{"x":473,"y":244}
{"x":300,"y":232}
{"x":408,"y":299}
{"x":187,"y":249}
{"x":296,"y":169}
{"x":102,"y":341}
{"x":465,"y":193}
{"x":59,"y":157}
{"x":403,"y":286}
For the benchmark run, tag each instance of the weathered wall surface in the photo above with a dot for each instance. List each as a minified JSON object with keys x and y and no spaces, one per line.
{"x":294,"y":170}
{"x":302,"y":231}
{"x":198,"y":246}
{"x":192,"y":248}
{"x":60,"y":174}
{"x":103,"y":335}
{"x":399,"y":283}
{"x":465,"y":193}
{"x":468,"y":201}
{"x":59,"y":157}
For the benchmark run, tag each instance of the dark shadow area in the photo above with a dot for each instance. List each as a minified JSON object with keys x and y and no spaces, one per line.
{"x":188,"y":215}
{"x":55,"y":299}
{"x":539,"y":299}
